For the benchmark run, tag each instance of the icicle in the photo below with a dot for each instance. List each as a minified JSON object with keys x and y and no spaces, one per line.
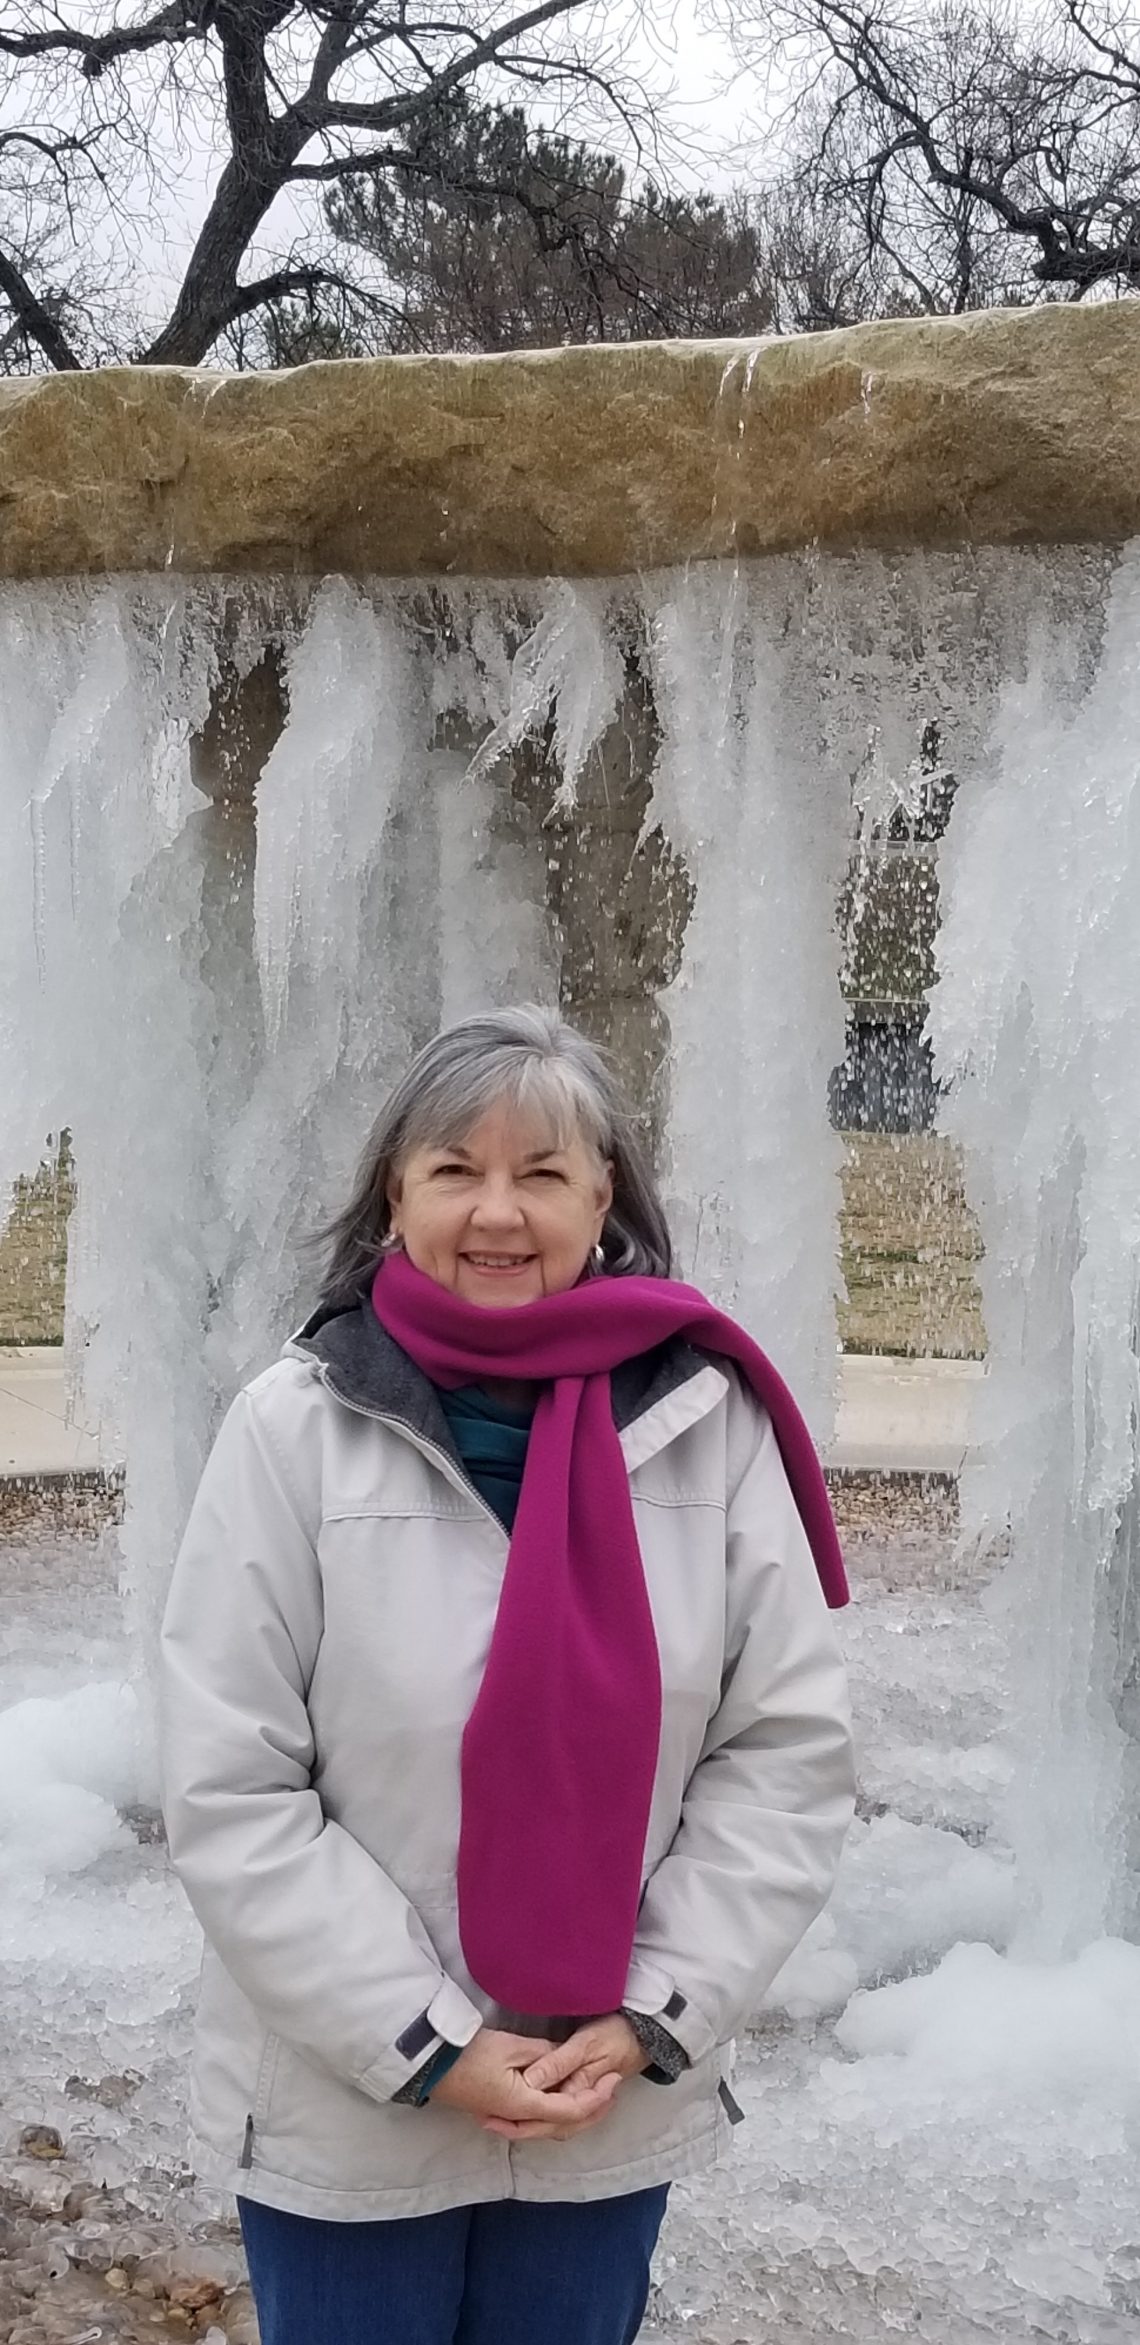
{"x":568,"y":668}
{"x":325,"y":795}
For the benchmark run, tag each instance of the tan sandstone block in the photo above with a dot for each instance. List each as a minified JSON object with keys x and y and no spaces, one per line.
{"x":1001,"y":428}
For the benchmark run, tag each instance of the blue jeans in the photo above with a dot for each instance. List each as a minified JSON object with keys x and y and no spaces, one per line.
{"x":516,"y":2272}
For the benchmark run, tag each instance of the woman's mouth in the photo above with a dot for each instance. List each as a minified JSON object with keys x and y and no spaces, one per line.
{"x":500,"y":1264}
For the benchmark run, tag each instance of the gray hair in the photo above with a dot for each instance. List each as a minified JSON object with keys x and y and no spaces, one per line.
{"x":533,"y":1058}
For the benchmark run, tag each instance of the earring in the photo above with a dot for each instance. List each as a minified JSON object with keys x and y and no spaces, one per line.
{"x":597,"y":1261}
{"x":392,"y":1244}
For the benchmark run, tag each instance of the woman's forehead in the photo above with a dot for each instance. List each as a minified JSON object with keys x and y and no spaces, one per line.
{"x":528,"y":1130}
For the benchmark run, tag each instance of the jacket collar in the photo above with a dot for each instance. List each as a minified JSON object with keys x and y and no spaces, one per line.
{"x":366,"y":1367}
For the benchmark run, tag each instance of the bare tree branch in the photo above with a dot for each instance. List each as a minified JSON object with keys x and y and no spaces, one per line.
{"x":33,"y":318}
{"x":181,"y":21}
{"x":987,"y":156}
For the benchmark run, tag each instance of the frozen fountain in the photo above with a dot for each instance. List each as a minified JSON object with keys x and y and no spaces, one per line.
{"x":339,"y":703}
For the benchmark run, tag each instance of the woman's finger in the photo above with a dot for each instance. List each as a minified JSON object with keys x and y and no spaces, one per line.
{"x":576,"y":2110}
{"x":564,"y":2060}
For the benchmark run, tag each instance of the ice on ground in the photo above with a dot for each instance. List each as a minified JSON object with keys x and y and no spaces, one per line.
{"x":98,"y":1948}
{"x":67,"y":1766}
{"x":905,"y":1894}
{"x":982,"y":2020}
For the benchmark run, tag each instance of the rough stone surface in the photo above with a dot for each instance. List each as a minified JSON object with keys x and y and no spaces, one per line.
{"x":1001,"y":428}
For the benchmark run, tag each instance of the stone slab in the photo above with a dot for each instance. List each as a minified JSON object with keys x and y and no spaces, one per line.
{"x":1006,"y":427}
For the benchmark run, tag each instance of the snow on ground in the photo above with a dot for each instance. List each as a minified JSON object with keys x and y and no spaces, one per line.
{"x":936,"y":2138}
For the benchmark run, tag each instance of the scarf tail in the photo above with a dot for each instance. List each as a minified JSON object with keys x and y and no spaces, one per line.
{"x":559,"y":1754}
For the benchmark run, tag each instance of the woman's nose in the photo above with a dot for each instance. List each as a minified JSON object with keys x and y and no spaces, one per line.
{"x":498,"y":1205}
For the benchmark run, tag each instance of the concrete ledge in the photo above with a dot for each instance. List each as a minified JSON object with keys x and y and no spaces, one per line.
{"x":1001,"y":428}
{"x":893,"y":1416}
{"x":913,"y":1416}
{"x":36,"y":1434}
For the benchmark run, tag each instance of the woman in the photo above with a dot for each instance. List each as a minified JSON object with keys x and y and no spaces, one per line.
{"x":500,"y":1795}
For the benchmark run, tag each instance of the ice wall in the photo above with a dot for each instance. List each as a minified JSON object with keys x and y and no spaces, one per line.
{"x":216,"y":1024}
{"x":214,"y":1002}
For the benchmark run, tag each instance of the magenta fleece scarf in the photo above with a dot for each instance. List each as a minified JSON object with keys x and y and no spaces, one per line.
{"x":559,"y":1754}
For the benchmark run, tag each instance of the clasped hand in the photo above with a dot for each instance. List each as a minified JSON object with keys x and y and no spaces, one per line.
{"x":533,"y":2090}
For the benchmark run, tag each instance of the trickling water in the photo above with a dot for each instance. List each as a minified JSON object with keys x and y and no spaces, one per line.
{"x":212,"y":993}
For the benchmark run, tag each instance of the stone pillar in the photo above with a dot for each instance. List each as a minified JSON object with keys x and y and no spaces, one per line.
{"x":619,"y":896}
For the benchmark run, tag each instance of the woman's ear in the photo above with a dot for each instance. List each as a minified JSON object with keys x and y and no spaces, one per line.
{"x":606,"y":1189}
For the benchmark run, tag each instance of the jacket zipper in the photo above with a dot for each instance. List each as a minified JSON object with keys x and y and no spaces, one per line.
{"x":429,"y":1449}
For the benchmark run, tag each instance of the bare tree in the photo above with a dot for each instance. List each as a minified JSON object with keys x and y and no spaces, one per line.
{"x":280,"y":100}
{"x":975,"y":153}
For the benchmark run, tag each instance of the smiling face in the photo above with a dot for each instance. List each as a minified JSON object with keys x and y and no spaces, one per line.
{"x":506,"y":1218}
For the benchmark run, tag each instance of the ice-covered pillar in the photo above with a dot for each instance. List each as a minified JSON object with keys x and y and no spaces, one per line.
{"x":755,"y":1011}
{"x":1035,"y":1022}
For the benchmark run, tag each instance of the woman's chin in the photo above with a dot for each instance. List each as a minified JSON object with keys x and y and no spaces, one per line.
{"x":499,"y":1289}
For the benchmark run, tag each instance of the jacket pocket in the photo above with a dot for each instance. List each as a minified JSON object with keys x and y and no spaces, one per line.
{"x":262,"y":2095}
{"x":729,"y":2102}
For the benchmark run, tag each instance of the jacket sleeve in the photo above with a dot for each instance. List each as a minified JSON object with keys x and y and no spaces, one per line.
{"x":314,"y":1932}
{"x":770,"y":1799}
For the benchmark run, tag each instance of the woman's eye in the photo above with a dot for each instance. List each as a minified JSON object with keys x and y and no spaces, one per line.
{"x":547,"y":1172}
{"x":443,"y":1171}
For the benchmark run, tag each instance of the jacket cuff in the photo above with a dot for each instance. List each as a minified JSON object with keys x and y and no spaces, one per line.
{"x":418,"y":2090}
{"x":449,"y":2019}
{"x":652,"y":1992}
{"x":667,"y":2059}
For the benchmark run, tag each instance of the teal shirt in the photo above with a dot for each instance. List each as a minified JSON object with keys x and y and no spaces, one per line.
{"x":492,"y":1442}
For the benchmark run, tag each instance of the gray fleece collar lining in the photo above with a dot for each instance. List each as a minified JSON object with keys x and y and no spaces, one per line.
{"x":370,"y":1370}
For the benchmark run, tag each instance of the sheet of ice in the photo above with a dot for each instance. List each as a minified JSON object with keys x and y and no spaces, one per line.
{"x":1034,"y":1025}
{"x":755,"y":1015}
{"x":215,"y":1000}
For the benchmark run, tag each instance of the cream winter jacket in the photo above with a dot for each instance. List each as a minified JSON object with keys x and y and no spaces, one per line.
{"x":327,"y":1625}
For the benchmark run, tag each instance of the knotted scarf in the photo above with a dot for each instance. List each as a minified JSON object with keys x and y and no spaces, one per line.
{"x":559,"y":1754}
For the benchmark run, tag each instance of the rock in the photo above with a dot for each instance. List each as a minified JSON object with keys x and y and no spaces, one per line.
{"x":995,"y":428}
{"x":112,"y":2092}
{"x":241,"y":2319}
{"x":194,"y":2295}
{"x":117,"y":2279}
{"x":41,"y":2141}
{"x":44,"y":2189}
